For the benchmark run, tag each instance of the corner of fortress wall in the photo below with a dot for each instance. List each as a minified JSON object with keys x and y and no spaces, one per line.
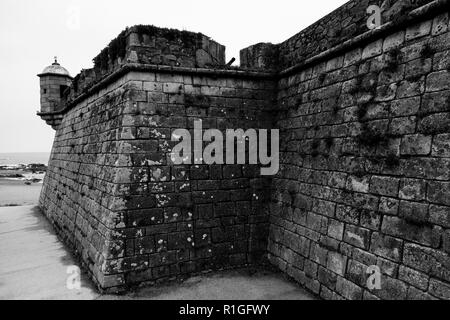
{"x":131,"y":215}
{"x":364,"y":157}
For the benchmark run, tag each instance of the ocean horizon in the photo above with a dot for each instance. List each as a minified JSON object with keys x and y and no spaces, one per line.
{"x":13,"y":158}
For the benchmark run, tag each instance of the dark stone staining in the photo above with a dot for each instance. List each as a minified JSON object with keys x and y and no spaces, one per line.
{"x":363,"y":174}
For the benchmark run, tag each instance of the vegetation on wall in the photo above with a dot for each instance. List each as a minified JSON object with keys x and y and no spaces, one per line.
{"x":189,"y":39}
{"x":427,"y":51}
{"x":115,"y":49}
{"x":118,"y":46}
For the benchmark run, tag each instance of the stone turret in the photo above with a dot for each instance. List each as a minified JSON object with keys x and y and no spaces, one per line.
{"x":54,"y":80}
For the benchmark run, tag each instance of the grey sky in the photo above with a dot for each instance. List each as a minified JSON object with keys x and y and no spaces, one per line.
{"x":33,"y":31}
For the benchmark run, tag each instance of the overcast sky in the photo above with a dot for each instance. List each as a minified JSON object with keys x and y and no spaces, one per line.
{"x":33,"y":31}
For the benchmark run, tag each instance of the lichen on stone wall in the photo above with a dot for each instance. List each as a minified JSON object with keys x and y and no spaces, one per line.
{"x":115,"y":49}
{"x":364,"y":158}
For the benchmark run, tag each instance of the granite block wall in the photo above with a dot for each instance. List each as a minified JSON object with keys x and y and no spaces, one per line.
{"x":365,"y":168}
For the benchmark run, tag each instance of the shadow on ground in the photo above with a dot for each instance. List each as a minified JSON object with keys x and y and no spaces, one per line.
{"x":34,"y":265}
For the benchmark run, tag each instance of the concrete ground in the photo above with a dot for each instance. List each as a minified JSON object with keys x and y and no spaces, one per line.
{"x":34,"y":265}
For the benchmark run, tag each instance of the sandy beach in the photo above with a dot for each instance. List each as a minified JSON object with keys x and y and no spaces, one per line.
{"x":17,"y":193}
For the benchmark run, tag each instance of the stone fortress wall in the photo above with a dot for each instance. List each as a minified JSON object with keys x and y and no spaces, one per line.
{"x":111,"y":190}
{"x":364,"y":156}
{"x":365,"y":159}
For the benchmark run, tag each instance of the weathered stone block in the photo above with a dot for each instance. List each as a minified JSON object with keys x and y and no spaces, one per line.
{"x":373,"y":49}
{"x":357,"y":273}
{"x":357,"y":236}
{"x":337,"y":263}
{"x":388,"y":206}
{"x":442,"y":61}
{"x":385,"y":186}
{"x":418,"y":30}
{"x":325,"y":208}
{"x":368,"y":296}
{"x":415,"y":145}
{"x":410,"y":88}
{"x":388,"y":267}
{"x":405,"y":107}
{"x":440,"y":215}
{"x":319,"y":254}
{"x":335,"y":229}
{"x":430,"y":261}
{"x":327,"y":278}
{"x":413,"y":277}
{"x":435,"y":102}
{"x":152,"y":86}
{"x":414,"y":211}
{"x":386,"y":246}
{"x":311,"y":269}
{"x":440,"y":24}
{"x":416,"y":294}
{"x":446,"y":241}
{"x":370,"y":219}
{"x":439,"y":289}
{"x":316,"y":222}
{"x":401,"y":228}
{"x":439,"y":192}
{"x":417,"y":68}
{"x":435,"y":124}
{"x":144,"y":245}
{"x":412,"y":189}
{"x":348,"y":289}
{"x":394,"y":40}
{"x":335,"y":63}
{"x":334,"y":211}
{"x":358,"y":184}
{"x":441,"y":146}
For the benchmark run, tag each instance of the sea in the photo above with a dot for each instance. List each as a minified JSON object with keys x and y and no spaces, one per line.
{"x":24,"y":158}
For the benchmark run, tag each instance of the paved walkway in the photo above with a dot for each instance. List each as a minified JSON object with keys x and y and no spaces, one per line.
{"x":33,"y":262}
{"x":33,"y":265}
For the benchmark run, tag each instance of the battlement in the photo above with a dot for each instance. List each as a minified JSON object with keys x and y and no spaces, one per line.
{"x":154,"y":46}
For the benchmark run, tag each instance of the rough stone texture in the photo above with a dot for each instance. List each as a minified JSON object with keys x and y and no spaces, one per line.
{"x":51,"y":87}
{"x":386,"y":192}
{"x":364,"y":160}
